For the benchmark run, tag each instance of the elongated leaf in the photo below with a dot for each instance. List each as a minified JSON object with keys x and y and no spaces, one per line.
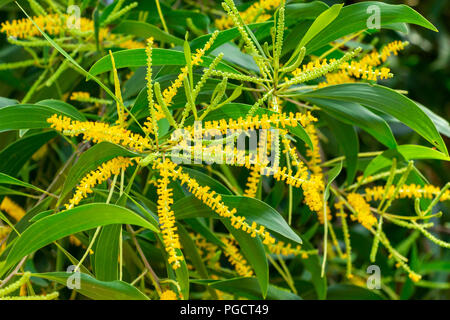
{"x":106,"y":252}
{"x":96,"y":289}
{"x":322,"y":21}
{"x":253,"y":251}
{"x":13,"y":157}
{"x":138,"y":58}
{"x":6,"y":179}
{"x":146,"y":30}
{"x":252,"y":209}
{"x":408,"y":152}
{"x":57,"y":226}
{"x":355,"y":114}
{"x":353,"y":18}
{"x":248,"y":287}
{"x":348,"y":140}
{"x":91,"y":160}
{"x":29,"y":116}
{"x":387,"y":101}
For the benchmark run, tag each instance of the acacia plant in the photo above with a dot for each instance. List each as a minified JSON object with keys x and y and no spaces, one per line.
{"x":175,"y":150}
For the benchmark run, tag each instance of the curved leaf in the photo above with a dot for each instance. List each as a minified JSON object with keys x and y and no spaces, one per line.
{"x":138,"y":58}
{"x":96,"y":289}
{"x":387,"y":101}
{"x":252,"y":209}
{"x":63,"y":224}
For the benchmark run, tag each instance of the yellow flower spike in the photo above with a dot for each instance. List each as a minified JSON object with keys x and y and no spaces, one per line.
{"x":236,"y":259}
{"x":253,"y":181}
{"x":167,"y":218}
{"x":103,"y":173}
{"x":407,"y":191}
{"x":168,"y":295}
{"x":98,"y":132}
{"x":12,"y":208}
{"x":212,"y":200}
{"x":56,"y":25}
{"x":276,"y":120}
{"x":80,"y":96}
{"x":362,"y":209}
{"x":118,"y":93}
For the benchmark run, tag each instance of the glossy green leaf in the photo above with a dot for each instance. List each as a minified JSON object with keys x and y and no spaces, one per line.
{"x":248,"y":287}
{"x":63,"y":224}
{"x":13,"y":157}
{"x":355,"y":114}
{"x":347,"y":138}
{"x":138,"y":58}
{"x":408,"y":152}
{"x":321,"y":22}
{"x":106,"y":252}
{"x":96,"y":289}
{"x":29,"y":116}
{"x":353,"y":18}
{"x":146,"y":30}
{"x":387,"y":101}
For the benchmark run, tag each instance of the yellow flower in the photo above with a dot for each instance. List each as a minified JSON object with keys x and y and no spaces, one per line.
{"x":253,"y":181}
{"x":106,"y":170}
{"x":362,"y":209}
{"x":407,"y":191}
{"x":363,"y":70}
{"x":284,"y":249}
{"x":167,"y":218}
{"x":80,"y":96}
{"x":264,"y":121}
{"x":236,"y":259}
{"x":374,"y":58}
{"x":170,"y":92}
{"x":168,"y":295}
{"x":98,"y":132}
{"x":214,"y":201}
{"x":414,"y":276}
{"x":336,"y":78}
{"x":12,"y":208}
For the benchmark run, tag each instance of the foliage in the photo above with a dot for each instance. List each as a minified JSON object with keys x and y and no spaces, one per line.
{"x":124,"y":154}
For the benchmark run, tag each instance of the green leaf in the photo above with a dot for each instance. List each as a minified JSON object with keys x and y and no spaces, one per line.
{"x":351,"y":292}
{"x":138,"y":58}
{"x":408,"y":152}
{"x":248,"y":287}
{"x":96,"y":289}
{"x":91,"y":160}
{"x":6,"y":179}
{"x":353,"y":18}
{"x":63,"y":224}
{"x":355,"y":114}
{"x":387,"y":101}
{"x":29,"y":116}
{"x":321,"y":22}
{"x":106,"y":252}
{"x":13,"y":157}
{"x":347,"y":138}
{"x":253,"y":251}
{"x":146,"y":30}
{"x":252,"y":209}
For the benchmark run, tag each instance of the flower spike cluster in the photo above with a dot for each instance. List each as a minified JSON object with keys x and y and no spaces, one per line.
{"x":236,"y":259}
{"x":167,"y":218}
{"x":214,"y":201}
{"x":98,"y":132}
{"x":103,"y":173}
